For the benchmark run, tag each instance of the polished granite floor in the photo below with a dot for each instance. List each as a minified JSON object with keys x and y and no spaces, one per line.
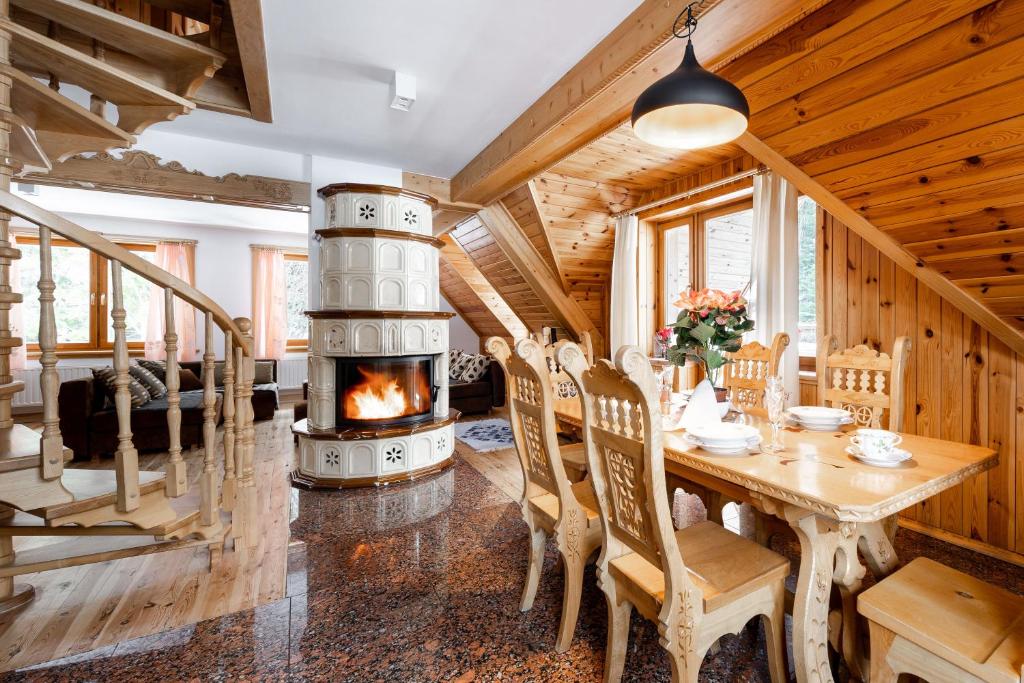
{"x":421,"y":582}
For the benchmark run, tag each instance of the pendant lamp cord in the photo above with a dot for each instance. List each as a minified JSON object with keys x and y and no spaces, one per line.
{"x":690,"y":25}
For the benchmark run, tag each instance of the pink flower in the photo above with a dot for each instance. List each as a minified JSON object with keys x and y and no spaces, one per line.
{"x":722,"y":319}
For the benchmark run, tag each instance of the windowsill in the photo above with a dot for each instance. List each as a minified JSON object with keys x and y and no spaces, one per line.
{"x":88,"y":353}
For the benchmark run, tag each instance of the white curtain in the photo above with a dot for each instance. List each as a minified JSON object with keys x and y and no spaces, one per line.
{"x":269,"y":310}
{"x":178,"y":259}
{"x":774,"y":270}
{"x":625,"y":308}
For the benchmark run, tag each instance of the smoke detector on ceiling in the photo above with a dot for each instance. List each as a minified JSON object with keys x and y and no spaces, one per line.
{"x":403,"y":91}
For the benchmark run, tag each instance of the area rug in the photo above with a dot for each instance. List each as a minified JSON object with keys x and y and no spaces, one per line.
{"x":484,"y":436}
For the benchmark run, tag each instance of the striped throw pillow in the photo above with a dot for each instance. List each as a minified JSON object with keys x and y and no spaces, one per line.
{"x":108,"y":376}
{"x":157,"y":367}
{"x":147,"y":379}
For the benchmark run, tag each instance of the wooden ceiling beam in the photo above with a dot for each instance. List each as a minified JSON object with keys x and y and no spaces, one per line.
{"x":596,"y":95}
{"x":535,"y":207}
{"x":1002,"y":328}
{"x":247,"y":18}
{"x":548,"y":289}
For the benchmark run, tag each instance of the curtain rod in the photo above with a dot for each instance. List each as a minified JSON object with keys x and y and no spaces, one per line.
{"x":697,"y":190}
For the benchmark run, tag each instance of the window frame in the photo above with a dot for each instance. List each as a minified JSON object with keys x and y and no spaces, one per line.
{"x":697,"y":221}
{"x":98,"y":343}
{"x":296,"y":345}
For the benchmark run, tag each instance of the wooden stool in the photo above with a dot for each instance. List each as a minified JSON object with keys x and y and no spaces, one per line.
{"x":931,"y":621}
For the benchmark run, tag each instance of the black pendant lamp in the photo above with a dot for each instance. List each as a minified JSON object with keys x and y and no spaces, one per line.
{"x":691,"y":107}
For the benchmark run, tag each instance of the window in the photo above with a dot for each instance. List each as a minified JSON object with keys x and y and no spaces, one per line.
{"x":296,"y":276}
{"x":807,"y":226}
{"x":83,"y":297}
{"x":728,"y":236}
{"x":675,"y":265}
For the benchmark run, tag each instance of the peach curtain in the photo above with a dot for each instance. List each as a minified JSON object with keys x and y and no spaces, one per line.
{"x":178,"y":259}
{"x":17,"y":319}
{"x":269,"y":312}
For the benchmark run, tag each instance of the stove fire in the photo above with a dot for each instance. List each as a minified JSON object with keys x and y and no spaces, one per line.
{"x":378,"y":398}
{"x":388,"y":390}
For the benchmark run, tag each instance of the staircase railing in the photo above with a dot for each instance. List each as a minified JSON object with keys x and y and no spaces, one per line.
{"x":236,"y":493}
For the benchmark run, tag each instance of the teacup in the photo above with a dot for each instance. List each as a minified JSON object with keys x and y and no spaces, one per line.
{"x":876,"y":443}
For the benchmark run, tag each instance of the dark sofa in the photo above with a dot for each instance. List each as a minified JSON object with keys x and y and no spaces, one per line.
{"x":480,"y":396}
{"x":88,"y":421}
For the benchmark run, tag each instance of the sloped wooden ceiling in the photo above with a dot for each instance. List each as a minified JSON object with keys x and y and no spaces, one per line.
{"x":912,"y":114}
{"x":473,"y":297}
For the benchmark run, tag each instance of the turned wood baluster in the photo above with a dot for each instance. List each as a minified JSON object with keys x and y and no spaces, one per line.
{"x":229,"y":490}
{"x":245,"y":446}
{"x":126,"y":461}
{"x":208,"y":512}
{"x":51,"y":444}
{"x":176,"y":482}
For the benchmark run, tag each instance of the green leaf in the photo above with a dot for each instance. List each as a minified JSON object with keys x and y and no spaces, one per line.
{"x":703,"y":332}
{"x":714,"y":359}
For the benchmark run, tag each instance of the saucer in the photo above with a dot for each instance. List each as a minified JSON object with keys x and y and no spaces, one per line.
{"x":901,"y":457}
{"x":752,"y":442}
{"x":821,"y":426}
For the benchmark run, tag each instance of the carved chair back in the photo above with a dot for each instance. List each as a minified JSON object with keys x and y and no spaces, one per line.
{"x":868,"y":383}
{"x":531,"y":412}
{"x":623,"y":441}
{"x":561,"y":385}
{"x":745,"y":377}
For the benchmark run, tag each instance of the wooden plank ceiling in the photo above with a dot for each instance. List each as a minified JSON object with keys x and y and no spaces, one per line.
{"x":910,"y":113}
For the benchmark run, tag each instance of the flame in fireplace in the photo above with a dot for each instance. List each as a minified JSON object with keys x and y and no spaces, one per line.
{"x":378,"y":397}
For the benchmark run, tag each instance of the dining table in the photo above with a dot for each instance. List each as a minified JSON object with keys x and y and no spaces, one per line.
{"x":834,"y":503}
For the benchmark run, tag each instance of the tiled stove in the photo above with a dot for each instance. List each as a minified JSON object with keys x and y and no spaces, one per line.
{"x":378,"y":358}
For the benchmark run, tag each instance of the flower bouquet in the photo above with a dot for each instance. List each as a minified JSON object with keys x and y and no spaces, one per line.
{"x":662,"y":340}
{"x":711,"y":324}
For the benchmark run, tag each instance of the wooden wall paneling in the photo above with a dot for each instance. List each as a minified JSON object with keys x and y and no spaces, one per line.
{"x":951,"y":421}
{"x":1019,"y":457}
{"x":1002,"y":436}
{"x":854,"y":293}
{"x":870,"y":312}
{"x":905,"y":325}
{"x":928,"y":359}
{"x":975,"y":426}
{"x":840,"y":285}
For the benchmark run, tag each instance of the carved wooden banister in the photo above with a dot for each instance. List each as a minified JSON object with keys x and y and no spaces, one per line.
{"x":176,"y":482}
{"x":133,"y":262}
{"x":51,"y":443}
{"x":229,"y":490}
{"x":208,"y":479}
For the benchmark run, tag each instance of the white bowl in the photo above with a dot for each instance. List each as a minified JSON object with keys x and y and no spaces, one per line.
{"x":718,"y":449}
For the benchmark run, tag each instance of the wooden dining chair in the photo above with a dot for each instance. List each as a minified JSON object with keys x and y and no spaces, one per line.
{"x":696,"y":584}
{"x":563,"y":388}
{"x":944,"y":626}
{"x":552,"y":505}
{"x":868,"y":383}
{"x":747,"y":373}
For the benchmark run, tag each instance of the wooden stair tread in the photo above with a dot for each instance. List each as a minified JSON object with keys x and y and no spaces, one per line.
{"x":45,"y":109}
{"x":73,"y":551}
{"x":101,"y":79}
{"x":722,"y":564}
{"x":93,"y":489}
{"x":11,"y":388}
{"x":19,"y":449}
{"x":189,"y":64}
{"x":971,"y":623}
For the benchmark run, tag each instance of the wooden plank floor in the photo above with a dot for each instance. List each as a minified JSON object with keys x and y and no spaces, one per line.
{"x":93,"y":606}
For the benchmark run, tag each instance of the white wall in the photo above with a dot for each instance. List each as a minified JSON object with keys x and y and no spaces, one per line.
{"x":460,"y":334}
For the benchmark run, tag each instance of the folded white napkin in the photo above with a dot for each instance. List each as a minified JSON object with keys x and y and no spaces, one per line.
{"x":702,"y":408}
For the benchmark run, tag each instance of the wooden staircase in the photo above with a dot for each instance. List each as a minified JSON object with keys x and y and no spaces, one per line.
{"x":107,"y":514}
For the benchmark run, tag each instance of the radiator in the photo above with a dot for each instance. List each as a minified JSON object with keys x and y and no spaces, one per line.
{"x":291,"y":373}
{"x":32,"y":396}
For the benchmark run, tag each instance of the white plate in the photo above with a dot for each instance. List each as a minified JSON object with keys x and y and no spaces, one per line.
{"x":819,"y":414}
{"x":822,"y":426}
{"x":901,"y":457}
{"x":724,"y":434}
{"x":730,"y":450}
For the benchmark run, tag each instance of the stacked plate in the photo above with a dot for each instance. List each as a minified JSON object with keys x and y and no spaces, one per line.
{"x":724,"y":438}
{"x":898,"y":457}
{"x":820,"y":418}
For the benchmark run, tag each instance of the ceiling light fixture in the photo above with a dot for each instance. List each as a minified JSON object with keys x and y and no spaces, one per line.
{"x":691,"y":107}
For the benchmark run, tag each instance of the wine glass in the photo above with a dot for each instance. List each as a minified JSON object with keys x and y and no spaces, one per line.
{"x":775,"y":397}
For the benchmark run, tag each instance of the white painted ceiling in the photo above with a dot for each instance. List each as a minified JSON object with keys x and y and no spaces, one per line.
{"x":478,"y":65}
